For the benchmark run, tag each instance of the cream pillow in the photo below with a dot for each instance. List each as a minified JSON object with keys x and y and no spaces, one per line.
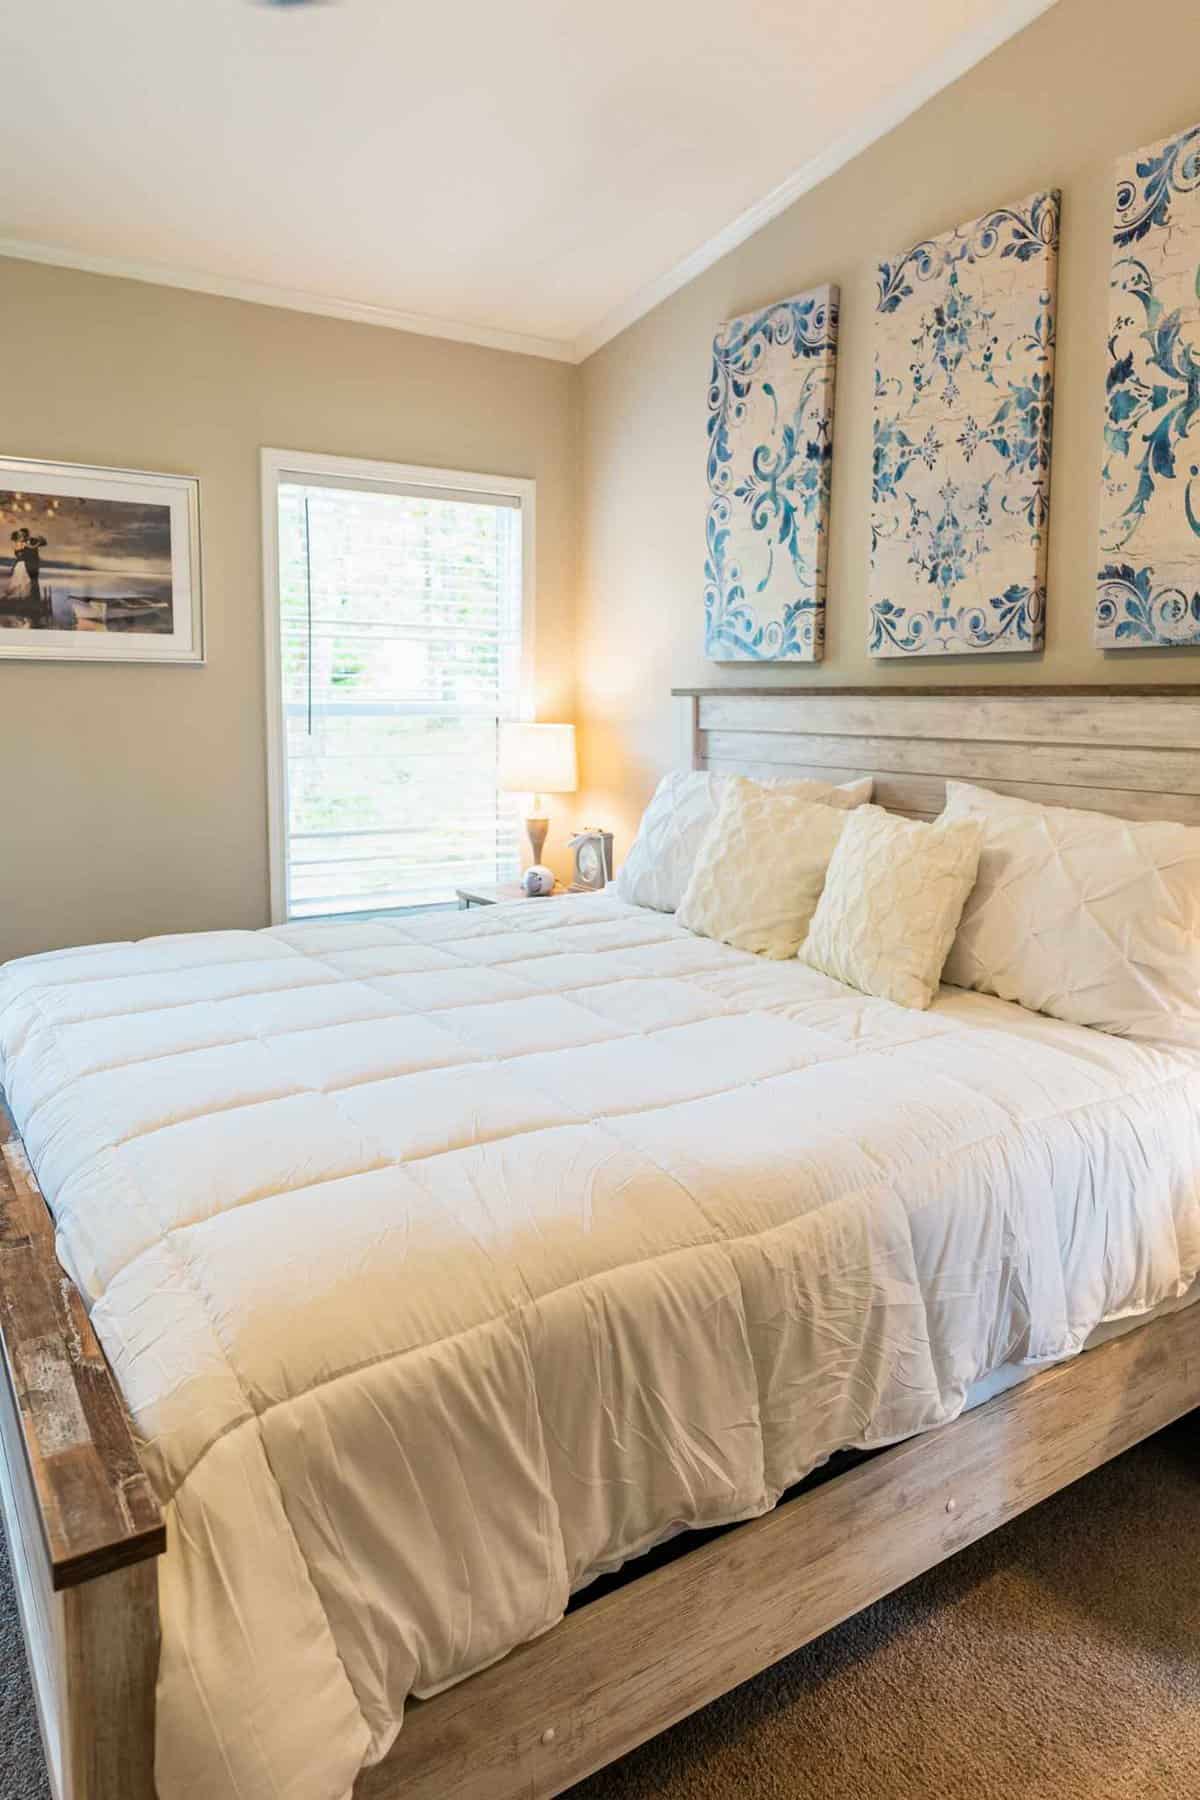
{"x":662,"y":856}
{"x":760,"y":869}
{"x":893,"y":896}
{"x":1091,"y":919}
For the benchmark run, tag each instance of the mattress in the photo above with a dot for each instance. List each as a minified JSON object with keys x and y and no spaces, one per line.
{"x":446,"y":1262}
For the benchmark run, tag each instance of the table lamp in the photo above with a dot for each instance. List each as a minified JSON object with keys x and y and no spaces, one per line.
{"x":537,"y":760}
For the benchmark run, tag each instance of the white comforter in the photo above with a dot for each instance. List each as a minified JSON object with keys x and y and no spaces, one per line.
{"x":446,"y":1262}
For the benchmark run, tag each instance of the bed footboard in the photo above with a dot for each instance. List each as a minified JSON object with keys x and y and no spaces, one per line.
{"x":84,"y":1528}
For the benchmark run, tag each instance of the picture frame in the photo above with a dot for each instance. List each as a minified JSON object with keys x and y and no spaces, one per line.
{"x":99,"y":564}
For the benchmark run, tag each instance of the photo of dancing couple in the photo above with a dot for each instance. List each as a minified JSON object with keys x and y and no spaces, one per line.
{"x":23,"y":594}
{"x":98,"y":564}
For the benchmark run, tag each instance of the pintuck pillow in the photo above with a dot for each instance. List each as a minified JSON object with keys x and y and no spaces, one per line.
{"x":760,"y":869}
{"x":684,"y":805}
{"x":893,"y":895}
{"x":1092,"y":919}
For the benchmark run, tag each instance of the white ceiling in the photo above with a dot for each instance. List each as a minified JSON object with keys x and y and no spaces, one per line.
{"x":533,"y":173}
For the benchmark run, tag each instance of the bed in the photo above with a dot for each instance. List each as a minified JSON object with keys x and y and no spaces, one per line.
{"x":420,"y":1271}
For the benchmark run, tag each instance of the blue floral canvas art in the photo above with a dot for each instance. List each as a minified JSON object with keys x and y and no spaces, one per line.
{"x":964,"y":390}
{"x":1149,"y":574}
{"x":770,"y":448}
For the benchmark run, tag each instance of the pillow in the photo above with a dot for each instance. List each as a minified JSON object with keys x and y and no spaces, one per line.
{"x":1091,"y":919}
{"x":659,"y":865}
{"x":893,"y":896}
{"x":760,"y":869}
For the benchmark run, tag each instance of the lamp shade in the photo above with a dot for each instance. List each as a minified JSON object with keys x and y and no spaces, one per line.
{"x":538,"y":759}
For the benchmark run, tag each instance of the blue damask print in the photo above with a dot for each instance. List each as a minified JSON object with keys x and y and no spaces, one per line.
{"x":1132,"y":611}
{"x":1160,"y":174}
{"x":964,"y":395}
{"x":1148,"y":583}
{"x":770,"y":450}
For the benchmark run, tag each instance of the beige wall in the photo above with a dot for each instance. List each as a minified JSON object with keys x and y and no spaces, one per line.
{"x":135,"y":797}
{"x":1054,"y":107}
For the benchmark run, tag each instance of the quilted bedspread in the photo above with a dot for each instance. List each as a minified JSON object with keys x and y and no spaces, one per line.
{"x":447,"y":1261}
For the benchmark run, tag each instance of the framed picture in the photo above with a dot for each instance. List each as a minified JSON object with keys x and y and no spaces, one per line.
{"x":99,"y":565}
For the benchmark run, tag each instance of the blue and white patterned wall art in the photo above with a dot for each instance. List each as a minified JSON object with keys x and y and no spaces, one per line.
{"x":770,"y":448}
{"x":1149,"y":574}
{"x":964,"y":387}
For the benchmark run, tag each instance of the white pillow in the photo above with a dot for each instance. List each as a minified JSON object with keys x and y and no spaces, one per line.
{"x":1088,"y":918}
{"x":894,"y":892}
{"x":684,"y":805}
{"x":760,"y":869}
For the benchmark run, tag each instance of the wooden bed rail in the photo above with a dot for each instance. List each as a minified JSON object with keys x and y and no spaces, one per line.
{"x":84,"y":1527}
{"x":96,"y":1507}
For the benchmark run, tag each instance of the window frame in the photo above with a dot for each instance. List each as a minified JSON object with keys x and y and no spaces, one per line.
{"x":314,"y":466}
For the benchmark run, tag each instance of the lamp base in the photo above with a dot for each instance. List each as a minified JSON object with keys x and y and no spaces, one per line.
{"x":537,"y":829}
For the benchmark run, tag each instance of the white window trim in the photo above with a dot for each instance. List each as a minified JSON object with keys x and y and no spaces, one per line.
{"x":308,"y":465}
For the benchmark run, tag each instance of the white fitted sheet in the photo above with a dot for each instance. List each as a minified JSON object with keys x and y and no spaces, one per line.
{"x":1012,"y":1374}
{"x":446,"y":1262}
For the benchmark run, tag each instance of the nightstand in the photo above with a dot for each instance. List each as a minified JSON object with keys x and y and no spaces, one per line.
{"x":504,"y":890}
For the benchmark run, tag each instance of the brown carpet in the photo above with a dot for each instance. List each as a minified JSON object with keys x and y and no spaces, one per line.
{"x":1057,"y":1660}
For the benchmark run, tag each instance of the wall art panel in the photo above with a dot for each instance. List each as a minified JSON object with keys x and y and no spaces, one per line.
{"x":770,"y":450}
{"x":964,"y":389}
{"x":1149,"y":572}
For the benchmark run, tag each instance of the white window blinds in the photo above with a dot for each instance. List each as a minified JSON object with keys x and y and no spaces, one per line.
{"x":401,"y":652}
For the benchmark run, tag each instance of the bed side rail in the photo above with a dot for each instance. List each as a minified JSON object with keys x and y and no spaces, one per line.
{"x":96,"y":1509}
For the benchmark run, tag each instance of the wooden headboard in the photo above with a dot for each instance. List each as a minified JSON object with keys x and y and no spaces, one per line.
{"x":1125,"y":750}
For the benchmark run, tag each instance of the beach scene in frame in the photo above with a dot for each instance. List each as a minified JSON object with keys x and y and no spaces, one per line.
{"x":98,"y":564}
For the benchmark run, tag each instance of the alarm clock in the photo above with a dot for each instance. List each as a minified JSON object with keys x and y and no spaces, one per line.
{"x":593,"y":860}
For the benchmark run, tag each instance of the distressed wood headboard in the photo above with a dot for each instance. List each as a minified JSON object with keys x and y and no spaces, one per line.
{"x":1127,"y":750}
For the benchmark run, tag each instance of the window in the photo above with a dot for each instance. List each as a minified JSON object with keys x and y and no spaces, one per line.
{"x":397,"y":633}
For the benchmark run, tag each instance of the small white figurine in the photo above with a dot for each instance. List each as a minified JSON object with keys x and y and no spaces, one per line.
{"x":538,"y":880}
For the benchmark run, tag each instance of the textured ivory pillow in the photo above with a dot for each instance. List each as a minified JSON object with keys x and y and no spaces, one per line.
{"x":1091,"y":919}
{"x":893,"y":896}
{"x":662,"y":856}
{"x":760,"y":869}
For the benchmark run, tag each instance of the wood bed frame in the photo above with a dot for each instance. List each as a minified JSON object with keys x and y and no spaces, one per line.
{"x":85,"y":1529}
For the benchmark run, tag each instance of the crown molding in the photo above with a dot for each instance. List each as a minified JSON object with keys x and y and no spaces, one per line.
{"x":963,"y":54}
{"x":954,"y":62}
{"x":261,"y":293}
